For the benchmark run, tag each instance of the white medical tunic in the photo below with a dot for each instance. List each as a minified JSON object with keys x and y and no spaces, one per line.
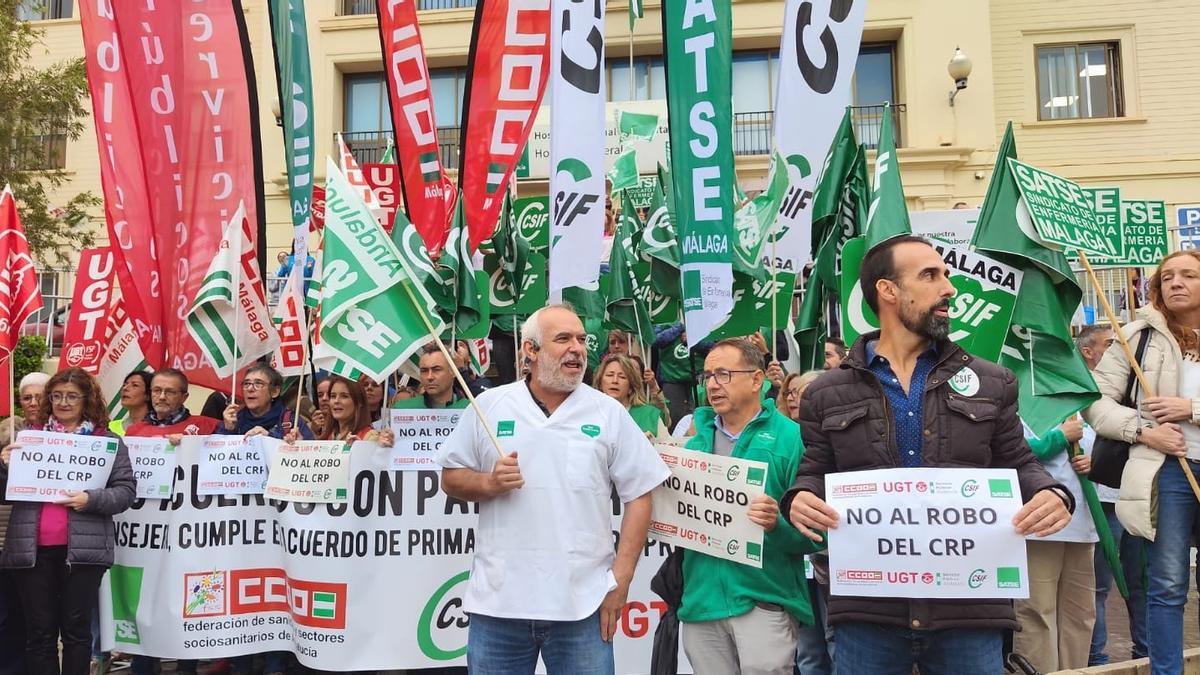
{"x":545,"y":551}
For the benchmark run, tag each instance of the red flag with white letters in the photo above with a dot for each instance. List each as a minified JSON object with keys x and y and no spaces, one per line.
{"x":20,"y":294}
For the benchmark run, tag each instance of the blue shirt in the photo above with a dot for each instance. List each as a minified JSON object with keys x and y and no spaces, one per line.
{"x":906,"y":408}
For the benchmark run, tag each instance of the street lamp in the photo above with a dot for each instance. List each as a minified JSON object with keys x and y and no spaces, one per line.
{"x":959,"y":69}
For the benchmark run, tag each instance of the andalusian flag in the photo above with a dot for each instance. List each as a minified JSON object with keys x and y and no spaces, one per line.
{"x":374,"y":314}
{"x":636,"y":11}
{"x":888,"y":215}
{"x":229,"y":319}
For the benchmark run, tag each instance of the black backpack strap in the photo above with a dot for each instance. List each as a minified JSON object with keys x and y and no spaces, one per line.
{"x":1138,"y":354}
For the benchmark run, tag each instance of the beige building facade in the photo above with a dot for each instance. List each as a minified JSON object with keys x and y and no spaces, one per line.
{"x":1098,"y":90}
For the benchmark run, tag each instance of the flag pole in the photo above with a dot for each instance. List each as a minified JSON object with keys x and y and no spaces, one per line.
{"x":457,"y":375}
{"x":516,"y":350}
{"x":1133,"y":362}
{"x":237,"y":287}
{"x":12,"y":379}
{"x":774,"y":306}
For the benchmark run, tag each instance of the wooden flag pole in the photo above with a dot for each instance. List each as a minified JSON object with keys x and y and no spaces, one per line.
{"x":516,"y":350}
{"x":1131,"y":358}
{"x":774,"y":307}
{"x":457,"y":375}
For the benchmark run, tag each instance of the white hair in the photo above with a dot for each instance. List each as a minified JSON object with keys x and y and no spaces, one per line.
{"x":34,"y":379}
{"x":531,"y":330}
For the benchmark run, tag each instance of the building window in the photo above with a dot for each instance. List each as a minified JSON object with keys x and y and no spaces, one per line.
{"x":369,"y":119}
{"x":649,"y":79}
{"x":874,"y":84}
{"x":1079,"y":81}
{"x":41,"y":10}
{"x":353,"y":7}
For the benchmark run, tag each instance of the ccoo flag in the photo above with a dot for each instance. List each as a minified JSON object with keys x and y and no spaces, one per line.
{"x":228,"y":318}
{"x":374,"y":314}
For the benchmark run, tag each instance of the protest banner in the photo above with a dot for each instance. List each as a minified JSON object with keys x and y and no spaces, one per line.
{"x":500,"y":293}
{"x":153,"y":462}
{"x":49,"y":465}
{"x":1144,"y":226}
{"x":315,"y":472}
{"x":205,"y":577}
{"x":642,"y":195}
{"x":926,"y":533}
{"x":955,"y":226}
{"x":979,"y":313}
{"x":703,"y":505}
{"x":1106,"y":203}
{"x":1060,"y":211}
{"x":419,"y":433}
{"x":233,"y":465}
{"x":83,"y":338}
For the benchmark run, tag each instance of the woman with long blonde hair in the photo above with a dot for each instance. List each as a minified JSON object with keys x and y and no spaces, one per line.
{"x":1156,"y":501}
{"x":619,"y":377}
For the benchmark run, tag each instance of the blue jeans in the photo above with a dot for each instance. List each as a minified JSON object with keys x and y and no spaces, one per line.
{"x":1132,"y":553}
{"x":511,"y":646}
{"x":814,"y":648}
{"x":1168,"y":563}
{"x":890,"y":650}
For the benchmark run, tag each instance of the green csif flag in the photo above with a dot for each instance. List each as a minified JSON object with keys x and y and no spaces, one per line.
{"x":659,"y":244}
{"x":511,"y":248}
{"x":697,"y":41}
{"x":374,"y":311}
{"x":455,"y":266}
{"x":828,"y":195}
{"x":848,"y":221}
{"x":753,"y":221}
{"x":888,"y":215}
{"x":624,"y":308}
{"x":1055,"y":381}
{"x":624,"y":173}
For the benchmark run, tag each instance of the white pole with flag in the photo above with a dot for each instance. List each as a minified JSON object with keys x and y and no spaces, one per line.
{"x":20,"y":294}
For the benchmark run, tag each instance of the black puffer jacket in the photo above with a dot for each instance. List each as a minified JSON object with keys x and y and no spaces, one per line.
{"x":90,"y":533}
{"x":846,"y":426}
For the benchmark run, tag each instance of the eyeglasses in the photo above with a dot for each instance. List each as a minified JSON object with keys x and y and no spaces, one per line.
{"x":792,"y":393}
{"x":159,"y":391}
{"x":69,"y":397}
{"x":254,"y":385}
{"x":30,"y":398}
{"x":721,"y":375}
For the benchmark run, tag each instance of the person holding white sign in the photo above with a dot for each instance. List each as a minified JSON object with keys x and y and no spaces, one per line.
{"x":262,"y":411}
{"x":544,"y":578}
{"x":349,"y":416}
{"x":60,"y":551}
{"x":170,"y":418}
{"x":736,"y":618}
{"x":905,"y":396}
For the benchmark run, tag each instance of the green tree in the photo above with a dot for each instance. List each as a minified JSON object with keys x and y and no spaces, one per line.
{"x":44,"y":108}
{"x":28,"y":357}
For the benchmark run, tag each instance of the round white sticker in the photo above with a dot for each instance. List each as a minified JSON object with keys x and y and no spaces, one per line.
{"x":965,"y":382}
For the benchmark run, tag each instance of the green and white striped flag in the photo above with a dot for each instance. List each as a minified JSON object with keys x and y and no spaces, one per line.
{"x":374,"y":312}
{"x":636,"y":11}
{"x":229,"y":319}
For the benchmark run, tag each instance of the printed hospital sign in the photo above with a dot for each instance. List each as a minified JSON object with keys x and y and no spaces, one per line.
{"x":48,"y":465}
{"x":926,"y":533}
{"x":703,"y":505}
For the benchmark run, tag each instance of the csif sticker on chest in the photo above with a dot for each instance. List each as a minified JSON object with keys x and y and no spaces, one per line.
{"x":965,"y":382}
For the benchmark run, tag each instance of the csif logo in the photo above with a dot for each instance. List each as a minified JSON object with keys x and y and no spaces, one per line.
{"x":442,"y":627}
{"x":977,"y":578}
{"x":733,"y":473}
{"x":970,"y":487}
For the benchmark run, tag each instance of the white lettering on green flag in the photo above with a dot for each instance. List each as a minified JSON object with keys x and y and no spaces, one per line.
{"x":1061,"y":211}
{"x":371,"y":308}
{"x":697,"y":35}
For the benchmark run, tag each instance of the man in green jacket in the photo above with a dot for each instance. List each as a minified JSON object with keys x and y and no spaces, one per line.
{"x":738,"y":619}
{"x":437,"y":375}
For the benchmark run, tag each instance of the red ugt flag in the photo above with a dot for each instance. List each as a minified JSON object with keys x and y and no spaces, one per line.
{"x":19,"y":292}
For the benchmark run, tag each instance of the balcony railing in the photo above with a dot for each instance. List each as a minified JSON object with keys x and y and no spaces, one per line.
{"x":752,"y":135}
{"x":352,"y":7}
{"x":752,"y":131}
{"x":368,"y":146}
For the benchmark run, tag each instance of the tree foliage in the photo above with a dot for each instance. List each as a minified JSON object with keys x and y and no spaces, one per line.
{"x":44,"y":108}
{"x":28,"y":357}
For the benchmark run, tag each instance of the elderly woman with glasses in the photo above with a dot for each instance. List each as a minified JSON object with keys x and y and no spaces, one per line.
{"x":261,"y":411}
{"x":59,"y":551}
{"x":32,"y":387}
